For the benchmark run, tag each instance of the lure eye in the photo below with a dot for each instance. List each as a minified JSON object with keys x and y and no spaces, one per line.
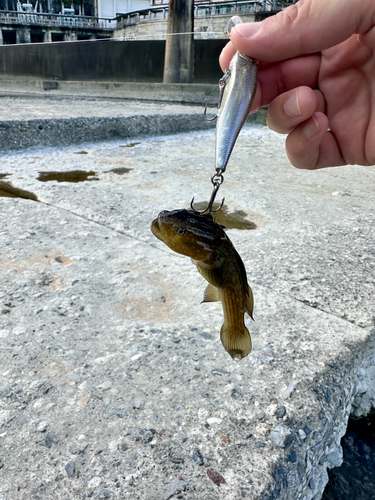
{"x":181,"y":231}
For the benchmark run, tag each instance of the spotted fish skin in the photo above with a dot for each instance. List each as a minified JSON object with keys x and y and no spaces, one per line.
{"x":203,"y":240}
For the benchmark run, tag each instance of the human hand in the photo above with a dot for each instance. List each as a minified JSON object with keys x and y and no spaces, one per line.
{"x":317,"y":73}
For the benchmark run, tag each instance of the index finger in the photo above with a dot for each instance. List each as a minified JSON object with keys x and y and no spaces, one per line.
{"x":276,"y":79}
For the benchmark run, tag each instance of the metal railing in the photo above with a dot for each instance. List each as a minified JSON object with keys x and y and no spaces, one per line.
{"x":56,"y":20}
{"x":200,"y":10}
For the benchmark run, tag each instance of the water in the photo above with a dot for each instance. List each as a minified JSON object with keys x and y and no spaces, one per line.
{"x":71,"y":176}
{"x":355,"y":479}
{"x":7,"y":190}
{"x":238,"y":219}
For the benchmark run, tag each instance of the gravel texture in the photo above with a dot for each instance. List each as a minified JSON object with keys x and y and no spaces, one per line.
{"x":114,"y":383}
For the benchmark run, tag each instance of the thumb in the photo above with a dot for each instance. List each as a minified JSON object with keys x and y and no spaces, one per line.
{"x":304,"y":28}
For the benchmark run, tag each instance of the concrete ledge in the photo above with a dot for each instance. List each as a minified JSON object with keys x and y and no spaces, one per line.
{"x":114,"y":381}
{"x":42,"y":132}
{"x":157,"y":92}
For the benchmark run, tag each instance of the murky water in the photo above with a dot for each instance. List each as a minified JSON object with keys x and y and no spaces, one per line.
{"x":355,"y":479}
{"x":72,"y":176}
{"x":238,"y":219}
{"x":7,"y":190}
{"x":120,"y":170}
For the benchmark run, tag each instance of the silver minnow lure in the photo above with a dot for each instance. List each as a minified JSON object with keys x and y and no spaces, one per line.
{"x":238,"y":87}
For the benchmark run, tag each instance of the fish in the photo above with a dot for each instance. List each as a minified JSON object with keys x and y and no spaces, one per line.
{"x":238,"y":88}
{"x":199,"y":237}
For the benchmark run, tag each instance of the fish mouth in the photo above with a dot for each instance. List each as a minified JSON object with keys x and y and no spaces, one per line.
{"x":155,"y":229}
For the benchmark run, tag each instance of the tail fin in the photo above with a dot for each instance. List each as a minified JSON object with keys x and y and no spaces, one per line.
{"x":236,"y":343}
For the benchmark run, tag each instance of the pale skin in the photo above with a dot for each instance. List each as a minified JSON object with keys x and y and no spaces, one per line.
{"x":317,"y":74}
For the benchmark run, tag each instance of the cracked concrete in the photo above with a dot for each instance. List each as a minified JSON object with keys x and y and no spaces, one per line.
{"x":113,"y":380}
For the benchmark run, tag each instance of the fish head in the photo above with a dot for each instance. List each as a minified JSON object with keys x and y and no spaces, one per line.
{"x":188,"y":232}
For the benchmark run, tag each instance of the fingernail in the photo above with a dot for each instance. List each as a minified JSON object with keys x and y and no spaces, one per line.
{"x":247,"y":30}
{"x":292,"y":105}
{"x":311,"y":127}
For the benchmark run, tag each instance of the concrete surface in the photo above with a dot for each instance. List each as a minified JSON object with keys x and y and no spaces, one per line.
{"x":31,"y":121}
{"x":113,"y":381}
{"x":189,"y":93}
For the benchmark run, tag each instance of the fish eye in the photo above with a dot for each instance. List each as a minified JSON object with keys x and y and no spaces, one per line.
{"x":181,"y":231}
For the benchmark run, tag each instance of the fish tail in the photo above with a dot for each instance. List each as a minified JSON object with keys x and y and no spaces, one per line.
{"x":236,"y":342}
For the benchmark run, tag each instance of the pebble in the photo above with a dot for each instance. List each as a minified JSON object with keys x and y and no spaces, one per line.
{"x":42,"y":426}
{"x":50,"y":440}
{"x":281,"y":412}
{"x":214,"y":421}
{"x":335,"y":458}
{"x":70,"y":468}
{"x":197,"y":456}
{"x":302,"y":434}
{"x":139,"y":403}
{"x":94,"y":482}
{"x":279,"y":434}
{"x":215,"y":477}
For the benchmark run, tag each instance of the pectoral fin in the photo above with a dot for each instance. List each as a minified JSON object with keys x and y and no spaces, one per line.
{"x":211,"y":294}
{"x":250,"y":304}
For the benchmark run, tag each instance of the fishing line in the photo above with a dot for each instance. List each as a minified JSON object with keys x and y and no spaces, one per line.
{"x":138,"y":37}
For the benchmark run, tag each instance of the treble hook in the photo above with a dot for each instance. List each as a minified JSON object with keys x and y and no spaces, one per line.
{"x":217,"y":181}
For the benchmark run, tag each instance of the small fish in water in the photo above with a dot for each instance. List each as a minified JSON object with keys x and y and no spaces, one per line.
{"x":198,"y":236}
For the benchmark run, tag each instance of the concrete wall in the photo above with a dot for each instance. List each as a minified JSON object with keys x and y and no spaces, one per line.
{"x":104,"y":60}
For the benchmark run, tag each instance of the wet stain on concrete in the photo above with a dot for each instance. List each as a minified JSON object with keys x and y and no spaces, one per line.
{"x":7,"y":190}
{"x":130,"y":145}
{"x":231,"y":220}
{"x":119,"y":171}
{"x":72,"y":176}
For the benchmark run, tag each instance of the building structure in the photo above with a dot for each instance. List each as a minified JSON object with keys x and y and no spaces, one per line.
{"x":210,"y":18}
{"x":69,"y":20}
{"x":109,"y":9}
